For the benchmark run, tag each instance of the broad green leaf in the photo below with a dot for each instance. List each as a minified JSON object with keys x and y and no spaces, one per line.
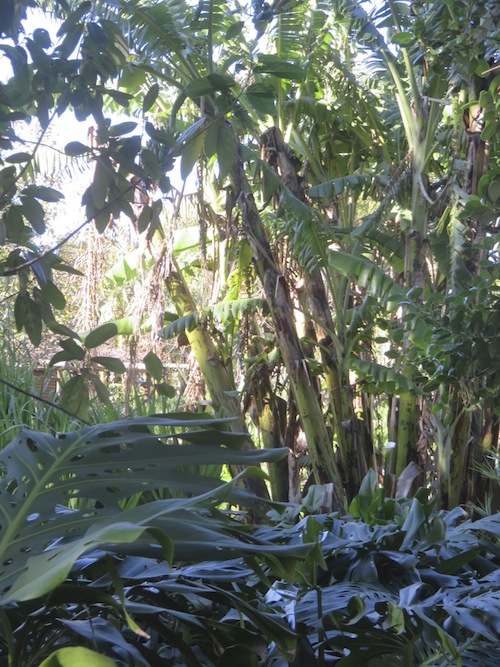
{"x":97,"y":34}
{"x":28,"y":317}
{"x":194,"y":130}
{"x":271,"y":182}
{"x":75,"y":148}
{"x":454,"y":564}
{"x":234,"y":30}
{"x":161,"y":136}
{"x":122,"y":128}
{"x":150,"y":162}
{"x":199,"y":88}
{"x":413,"y":523}
{"x":17,"y":158}
{"x":190,"y":154}
{"x":77,"y":656}
{"x":262,"y":98}
{"x":211,"y":135}
{"x":494,"y":191}
{"x":102,"y":333}
{"x":72,"y":347}
{"x":99,"y":335}
{"x":59,"y":265}
{"x":43,"y":192}
{"x":74,"y":17}
{"x":110,"y":363}
{"x":403,"y":38}
{"x":111,"y":462}
{"x":33,"y":211}
{"x":74,"y":395}
{"x":280,"y":68}
{"x":490,"y":130}
{"x":421,"y":333}
{"x":123,"y":99}
{"x":208,"y":85}
{"x":222,"y":82}
{"x":154,"y":366}
{"x":155,"y":223}
{"x":65,"y":48}
{"x":166,"y":390}
{"x":226,"y":150}
{"x":144,"y":219}
{"x":150,"y":97}
{"x":13,"y":219}
{"x":61,"y":357}
{"x":46,"y":571}
{"x":102,"y":393}
{"x":62,"y":329}
{"x":103,"y":176}
{"x":53,"y":295}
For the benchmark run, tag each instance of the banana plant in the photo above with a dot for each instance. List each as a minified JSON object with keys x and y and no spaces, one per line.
{"x":383,"y":172}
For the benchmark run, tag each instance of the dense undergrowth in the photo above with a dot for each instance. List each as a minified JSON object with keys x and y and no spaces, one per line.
{"x":162,"y":570}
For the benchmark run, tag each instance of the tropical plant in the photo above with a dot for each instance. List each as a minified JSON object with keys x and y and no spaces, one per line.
{"x":112,"y":487}
{"x":180,"y":581}
{"x":358,"y":271}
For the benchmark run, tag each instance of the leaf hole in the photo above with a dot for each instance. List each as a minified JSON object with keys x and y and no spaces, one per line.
{"x":109,"y":434}
{"x":31,"y":445}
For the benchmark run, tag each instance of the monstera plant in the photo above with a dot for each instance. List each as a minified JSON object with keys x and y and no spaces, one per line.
{"x":119,"y":500}
{"x":120,"y":546}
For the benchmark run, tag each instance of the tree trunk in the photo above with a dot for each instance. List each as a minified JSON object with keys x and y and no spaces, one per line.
{"x":315,"y":304}
{"x":219,"y":384}
{"x":277,"y":294}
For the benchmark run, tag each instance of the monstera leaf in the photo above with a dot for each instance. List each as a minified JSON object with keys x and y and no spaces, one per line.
{"x":62,"y":495}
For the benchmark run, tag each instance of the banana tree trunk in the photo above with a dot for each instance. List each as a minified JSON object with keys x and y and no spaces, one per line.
{"x":453,"y":429}
{"x":276,"y":291}
{"x":219,"y":383}
{"x":407,"y":432}
{"x":279,"y":156}
{"x":345,"y":422}
{"x":269,"y":415}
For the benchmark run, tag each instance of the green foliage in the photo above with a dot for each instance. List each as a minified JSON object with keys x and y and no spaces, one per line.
{"x":114,"y":462}
{"x":77,"y":656}
{"x":63,"y":504}
{"x":393,"y":581}
{"x":399,"y":237}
